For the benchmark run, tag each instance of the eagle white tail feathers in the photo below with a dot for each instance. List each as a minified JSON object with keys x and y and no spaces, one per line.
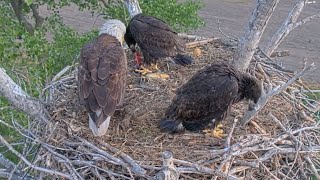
{"x":102,"y":129}
{"x":171,"y":126}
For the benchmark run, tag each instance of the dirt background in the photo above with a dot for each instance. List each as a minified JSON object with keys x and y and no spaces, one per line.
{"x":303,"y":42}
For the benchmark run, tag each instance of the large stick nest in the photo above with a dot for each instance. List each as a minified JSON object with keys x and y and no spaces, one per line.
{"x":281,"y":141}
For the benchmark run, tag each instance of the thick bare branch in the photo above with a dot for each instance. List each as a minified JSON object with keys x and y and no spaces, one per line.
{"x":250,"y":40}
{"x":168,"y":171}
{"x":20,"y":99}
{"x":287,"y":26}
{"x":133,"y":7}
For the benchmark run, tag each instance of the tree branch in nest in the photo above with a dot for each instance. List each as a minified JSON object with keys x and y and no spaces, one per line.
{"x":269,"y":92}
{"x":136,"y":168}
{"x":191,"y":37}
{"x":25,"y":160}
{"x":198,"y":169}
{"x":20,"y":99}
{"x":168,"y":170}
{"x":283,"y":53}
{"x":200,"y":43}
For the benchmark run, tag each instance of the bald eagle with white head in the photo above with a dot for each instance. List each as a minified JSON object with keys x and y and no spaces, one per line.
{"x":102,"y":75}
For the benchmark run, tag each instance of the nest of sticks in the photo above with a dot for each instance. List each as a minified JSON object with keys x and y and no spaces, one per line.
{"x":280,"y":141}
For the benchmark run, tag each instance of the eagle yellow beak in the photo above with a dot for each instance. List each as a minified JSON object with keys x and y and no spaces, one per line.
{"x":122,"y":41}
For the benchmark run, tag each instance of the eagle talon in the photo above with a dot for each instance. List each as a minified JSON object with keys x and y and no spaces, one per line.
{"x":143,"y":70}
{"x":154,"y":67}
{"x":158,"y":75}
{"x":217,"y":132}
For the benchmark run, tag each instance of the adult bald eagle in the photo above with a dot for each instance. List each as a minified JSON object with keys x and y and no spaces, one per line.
{"x":102,"y":75}
{"x":208,"y":96}
{"x":156,"y":40}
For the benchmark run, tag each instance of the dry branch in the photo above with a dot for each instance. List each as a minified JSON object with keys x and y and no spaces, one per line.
{"x":288,"y":25}
{"x":20,"y":99}
{"x":283,"y":53}
{"x":134,"y":166}
{"x":199,"y":43}
{"x":52,"y":172}
{"x":168,"y":170}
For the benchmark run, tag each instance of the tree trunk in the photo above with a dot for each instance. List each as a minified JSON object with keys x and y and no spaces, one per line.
{"x":35,"y":11}
{"x":133,"y":7}
{"x":17,"y":6}
{"x":250,"y":40}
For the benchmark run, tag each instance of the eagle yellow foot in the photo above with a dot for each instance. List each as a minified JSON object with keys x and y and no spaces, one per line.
{"x":154,"y":67}
{"x":158,"y":75}
{"x":143,"y":70}
{"x":217,"y":132}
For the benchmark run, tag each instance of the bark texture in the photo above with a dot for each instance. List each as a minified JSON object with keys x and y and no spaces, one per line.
{"x":250,"y":40}
{"x":20,"y":99}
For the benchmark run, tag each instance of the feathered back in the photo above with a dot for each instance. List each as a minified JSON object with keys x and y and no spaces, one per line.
{"x":102,"y":76}
{"x":208,"y":95}
{"x":153,"y":36}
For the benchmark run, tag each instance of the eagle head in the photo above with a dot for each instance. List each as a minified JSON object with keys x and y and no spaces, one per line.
{"x":114,"y":28}
{"x":251,"y":89}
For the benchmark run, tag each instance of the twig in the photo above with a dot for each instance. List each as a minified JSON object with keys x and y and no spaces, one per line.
{"x":196,"y":168}
{"x":227,"y":143}
{"x":283,"y":53}
{"x":191,"y":37}
{"x":61,"y":73}
{"x":168,"y":170}
{"x":264,"y":166}
{"x":225,"y":35}
{"x":313,"y":168}
{"x":200,"y":43}
{"x":5,"y":174}
{"x":116,"y":160}
{"x":52,"y":172}
{"x":136,"y":168}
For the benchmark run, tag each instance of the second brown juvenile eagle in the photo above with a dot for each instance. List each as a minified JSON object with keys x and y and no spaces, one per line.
{"x":207,"y":96}
{"x":156,"y":40}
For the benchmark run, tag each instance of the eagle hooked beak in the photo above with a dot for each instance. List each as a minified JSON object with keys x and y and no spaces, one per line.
{"x":122,"y":41}
{"x":251,"y":105}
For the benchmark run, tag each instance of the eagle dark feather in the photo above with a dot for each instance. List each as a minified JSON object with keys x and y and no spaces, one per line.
{"x":102,"y":77}
{"x":156,"y":40}
{"x":208,"y":95}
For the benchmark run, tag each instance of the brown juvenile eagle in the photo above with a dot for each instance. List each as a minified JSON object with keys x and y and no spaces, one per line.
{"x":207,"y":96}
{"x":102,"y":75}
{"x":156,"y":40}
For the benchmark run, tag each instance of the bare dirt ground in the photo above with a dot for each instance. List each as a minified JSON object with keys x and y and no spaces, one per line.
{"x":303,"y":42}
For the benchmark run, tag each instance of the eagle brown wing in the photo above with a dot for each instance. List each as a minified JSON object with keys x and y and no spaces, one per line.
{"x":206,"y":96}
{"x":102,"y":76}
{"x":155,"y":37}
